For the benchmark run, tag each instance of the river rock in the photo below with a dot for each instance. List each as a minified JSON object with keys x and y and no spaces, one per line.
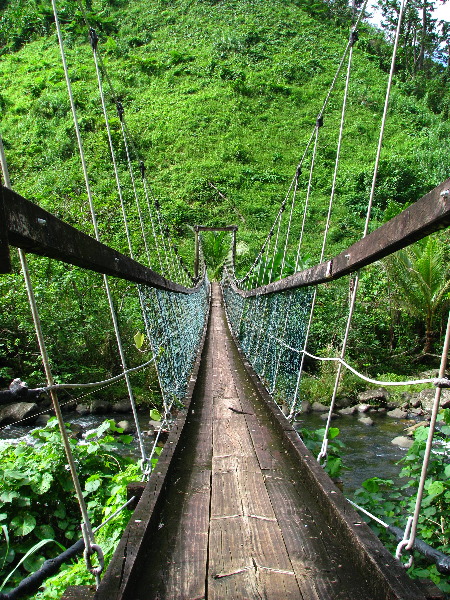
{"x":416,"y":412}
{"x":402,"y":441}
{"x":363,"y":408}
{"x":100,"y":407}
{"x":397,"y":413}
{"x":379,"y":396}
{"x":366,"y":421}
{"x":305,"y":407}
{"x":318,"y":407}
{"x":325,"y":417}
{"x":122,"y":407}
{"x":427,"y":398}
{"x":343,"y":401}
{"x":10,"y":413}
{"x":350,"y":410}
{"x":42,"y":420}
{"x":83,"y":410}
{"x":126,"y":426}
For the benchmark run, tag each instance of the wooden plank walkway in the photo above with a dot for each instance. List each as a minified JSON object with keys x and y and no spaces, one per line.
{"x":237,"y":518}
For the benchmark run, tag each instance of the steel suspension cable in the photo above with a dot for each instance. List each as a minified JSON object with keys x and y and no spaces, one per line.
{"x":323,"y":452}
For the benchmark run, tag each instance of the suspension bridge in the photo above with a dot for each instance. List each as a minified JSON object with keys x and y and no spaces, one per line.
{"x":236,"y":506}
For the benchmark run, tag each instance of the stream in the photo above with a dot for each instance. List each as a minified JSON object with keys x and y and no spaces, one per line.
{"x":368,"y":450}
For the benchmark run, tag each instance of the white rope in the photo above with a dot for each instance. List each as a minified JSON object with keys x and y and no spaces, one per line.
{"x":94,"y":221}
{"x":327,"y":225}
{"x":88,"y":535}
{"x":436,"y":381}
{"x":323,"y":451}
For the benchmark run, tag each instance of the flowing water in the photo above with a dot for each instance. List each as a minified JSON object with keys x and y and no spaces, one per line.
{"x":368,"y":449}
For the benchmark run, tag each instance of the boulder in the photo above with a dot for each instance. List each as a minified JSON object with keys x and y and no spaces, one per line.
{"x":318,"y":407}
{"x":427,"y":398}
{"x":42,"y":420}
{"x":397,"y":413}
{"x":414,"y":400}
{"x":100,"y":407}
{"x":402,"y":441}
{"x":126,"y":426}
{"x":343,"y":401}
{"x":363,"y":408}
{"x":325,"y":416}
{"x":366,"y":421}
{"x":83,"y":410}
{"x":11,"y":413}
{"x":379,"y":396}
{"x":122,"y":407}
{"x":350,"y":410}
{"x":305,"y":407}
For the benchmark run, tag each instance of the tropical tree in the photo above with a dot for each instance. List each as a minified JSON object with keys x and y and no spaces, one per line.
{"x":420,"y":280}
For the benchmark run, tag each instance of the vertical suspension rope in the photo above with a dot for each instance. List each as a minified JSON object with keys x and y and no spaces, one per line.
{"x":89,"y":539}
{"x":323,"y":452}
{"x":96,"y":230}
{"x":353,"y":39}
{"x":409,"y":543}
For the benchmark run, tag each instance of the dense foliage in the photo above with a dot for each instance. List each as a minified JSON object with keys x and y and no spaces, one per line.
{"x":39,"y":508}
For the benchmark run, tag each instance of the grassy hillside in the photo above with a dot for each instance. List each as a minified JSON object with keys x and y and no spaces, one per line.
{"x":215,"y":92}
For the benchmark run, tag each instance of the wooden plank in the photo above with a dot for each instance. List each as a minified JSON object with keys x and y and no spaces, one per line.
{"x":79,"y":592}
{"x":177,"y":559}
{"x":429,"y":214}
{"x":37,"y":231}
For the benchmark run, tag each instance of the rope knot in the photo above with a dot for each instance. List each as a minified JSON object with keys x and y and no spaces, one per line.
{"x":93,"y":38}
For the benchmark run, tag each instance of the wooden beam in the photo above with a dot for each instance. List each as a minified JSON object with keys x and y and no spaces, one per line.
{"x":228,"y":228}
{"x":429,"y":214}
{"x":5,"y":261}
{"x":37,"y":231}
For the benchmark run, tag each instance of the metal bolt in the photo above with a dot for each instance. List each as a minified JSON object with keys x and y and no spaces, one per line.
{"x":445,"y":194}
{"x":42,"y":221}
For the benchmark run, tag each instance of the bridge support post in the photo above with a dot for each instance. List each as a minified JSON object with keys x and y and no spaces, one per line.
{"x":196,"y":259}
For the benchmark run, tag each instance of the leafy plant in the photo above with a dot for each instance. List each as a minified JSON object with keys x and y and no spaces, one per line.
{"x":393,"y":503}
{"x":313,"y":441}
{"x":39,"y":509}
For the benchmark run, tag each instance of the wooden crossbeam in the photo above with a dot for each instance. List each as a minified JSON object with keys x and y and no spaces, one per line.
{"x":27,"y":226}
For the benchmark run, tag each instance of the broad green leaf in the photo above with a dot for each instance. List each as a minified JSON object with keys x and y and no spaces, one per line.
{"x":9,"y":496}
{"x":23,"y":525}
{"x":139,"y":340}
{"x":333,"y":432}
{"x":155,"y":415}
{"x":44,"y":532}
{"x":92,"y":485}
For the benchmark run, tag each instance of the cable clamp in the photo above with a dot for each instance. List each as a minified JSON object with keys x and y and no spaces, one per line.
{"x":442,"y":382}
{"x":445,"y":194}
{"x":319,"y":121}
{"x":93,"y":38}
